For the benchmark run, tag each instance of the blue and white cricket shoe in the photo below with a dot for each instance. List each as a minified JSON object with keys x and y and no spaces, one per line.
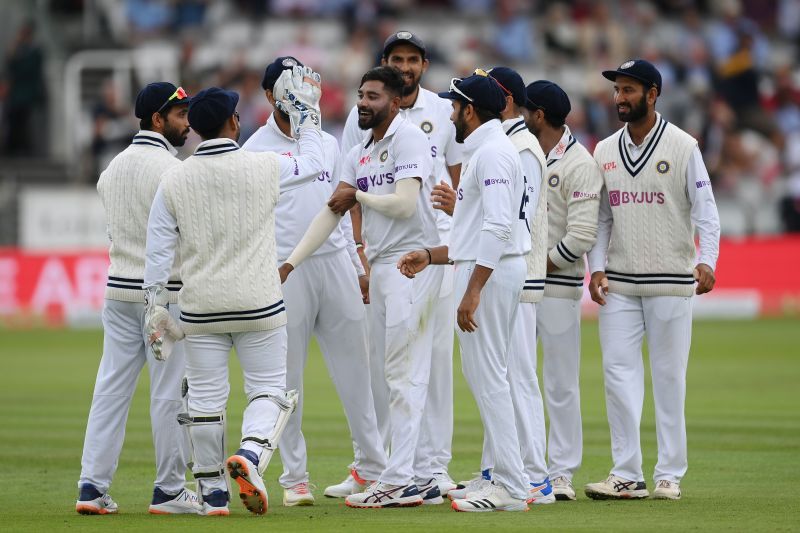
{"x":383,"y":495}
{"x":541,"y":493}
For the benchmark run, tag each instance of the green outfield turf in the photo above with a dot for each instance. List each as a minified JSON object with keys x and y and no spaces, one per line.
{"x":743,"y":428}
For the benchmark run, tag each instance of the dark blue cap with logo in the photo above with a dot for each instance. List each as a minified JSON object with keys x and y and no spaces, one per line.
{"x":480,"y":91}
{"x":274,"y":70}
{"x":156,"y":97}
{"x":548,"y":97}
{"x":638,"y":69}
{"x":510,"y":80}
{"x":401,"y":37}
{"x":210,"y":108}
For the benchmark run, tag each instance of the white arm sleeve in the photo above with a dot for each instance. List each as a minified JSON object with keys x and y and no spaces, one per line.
{"x":597,"y":255}
{"x":162,"y":241}
{"x":316,"y":234}
{"x":490,"y":249}
{"x":346,"y":226}
{"x":402,"y":203}
{"x":704,"y":212}
{"x":299,"y":170}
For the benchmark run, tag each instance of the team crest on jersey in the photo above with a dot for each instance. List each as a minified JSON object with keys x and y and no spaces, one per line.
{"x":427,"y":127}
{"x":363,"y":184}
{"x":553,"y":180}
{"x":662,"y":167}
{"x":384,"y":156}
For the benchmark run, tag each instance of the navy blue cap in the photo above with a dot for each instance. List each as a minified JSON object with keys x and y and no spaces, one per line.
{"x":638,"y":69}
{"x":549,"y":97}
{"x":274,"y":70}
{"x":210,"y":108}
{"x":401,"y":37}
{"x":511,"y":81}
{"x":480,"y":91}
{"x":155,"y":97}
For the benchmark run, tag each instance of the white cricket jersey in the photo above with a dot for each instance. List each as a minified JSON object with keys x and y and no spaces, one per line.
{"x":491,"y":195}
{"x":297,"y":207}
{"x":432,"y":115}
{"x":375,"y":168}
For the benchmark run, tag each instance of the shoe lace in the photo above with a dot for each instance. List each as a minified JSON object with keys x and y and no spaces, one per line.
{"x":300,"y":488}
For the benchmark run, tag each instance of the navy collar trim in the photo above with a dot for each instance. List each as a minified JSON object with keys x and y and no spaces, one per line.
{"x":570,"y":144}
{"x":634,"y":166}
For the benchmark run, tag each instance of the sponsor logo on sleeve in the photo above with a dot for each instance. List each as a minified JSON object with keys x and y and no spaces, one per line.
{"x":363,"y":184}
{"x":619,"y":198}
{"x":496,"y":181}
{"x":702,"y":183}
{"x":409,"y":166}
{"x":581,"y":194}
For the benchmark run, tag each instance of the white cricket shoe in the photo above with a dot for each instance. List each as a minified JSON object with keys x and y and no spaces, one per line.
{"x":251,"y":487}
{"x":445,"y":482}
{"x":493,"y":497}
{"x":541,"y":493}
{"x":563,"y":489}
{"x":429,"y":490}
{"x":667,"y":490}
{"x":298,"y":495}
{"x":353,"y":484}
{"x":616,"y":488}
{"x":216,"y":503}
{"x":185,"y":502}
{"x":469,"y":487}
{"x":91,"y":501}
{"x":383,"y":495}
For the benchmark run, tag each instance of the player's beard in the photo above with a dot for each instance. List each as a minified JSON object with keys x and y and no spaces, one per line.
{"x":283,"y":114}
{"x":175,"y":136}
{"x":636,"y":112}
{"x":461,"y":126}
{"x":376,"y":117}
{"x":410,"y":85}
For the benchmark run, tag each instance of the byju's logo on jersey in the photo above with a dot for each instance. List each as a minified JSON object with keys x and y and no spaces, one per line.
{"x":363,"y":184}
{"x":494,"y":181}
{"x":619,"y":198}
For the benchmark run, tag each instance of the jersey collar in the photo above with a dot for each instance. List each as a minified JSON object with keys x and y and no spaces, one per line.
{"x":216,"y":147}
{"x":273,"y":125}
{"x":153,"y":138}
{"x":483,"y":132}
{"x":420,"y":102}
{"x":397,"y":121}
{"x":565,"y":143}
{"x":513,"y":125}
{"x":626,"y":136}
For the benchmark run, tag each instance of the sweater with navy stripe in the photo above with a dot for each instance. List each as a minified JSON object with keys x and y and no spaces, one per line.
{"x":127,"y":187}
{"x":574,"y":183}
{"x":223,"y":200}
{"x":651,"y":250}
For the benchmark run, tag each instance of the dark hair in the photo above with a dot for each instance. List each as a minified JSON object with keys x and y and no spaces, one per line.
{"x":391,"y":78}
{"x":210,"y":134}
{"x":146,"y":123}
{"x":484,"y":115}
{"x":554,"y":122}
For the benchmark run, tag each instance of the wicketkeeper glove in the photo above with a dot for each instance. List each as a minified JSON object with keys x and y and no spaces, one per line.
{"x":162,"y":331}
{"x":297,"y":92}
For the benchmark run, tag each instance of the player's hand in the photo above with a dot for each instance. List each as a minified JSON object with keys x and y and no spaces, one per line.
{"x":465,"y":314}
{"x":704,"y":275}
{"x":342,"y":200}
{"x":444,"y":198}
{"x":413,"y":263}
{"x":363,"y":284}
{"x":297,"y":92}
{"x":284,"y":270}
{"x":598,"y":287}
{"x":162,"y":333}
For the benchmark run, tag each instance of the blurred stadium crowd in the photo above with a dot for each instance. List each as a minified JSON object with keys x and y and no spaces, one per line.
{"x":730,"y":68}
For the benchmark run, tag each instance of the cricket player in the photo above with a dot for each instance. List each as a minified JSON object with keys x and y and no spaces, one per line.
{"x":322,"y":297}
{"x":425,"y":109}
{"x":573,"y":196}
{"x":218,"y":206}
{"x":127,"y":188}
{"x":644,"y":269}
{"x":386,"y":175}
{"x":489,"y":243}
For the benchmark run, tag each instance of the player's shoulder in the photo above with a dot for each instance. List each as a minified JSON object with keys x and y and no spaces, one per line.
{"x":679,"y":135}
{"x":611,"y":140}
{"x":407,"y":131}
{"x":328,"y":140}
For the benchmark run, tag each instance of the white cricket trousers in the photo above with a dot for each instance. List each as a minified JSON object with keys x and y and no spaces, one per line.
{"x":667,"y":322}
{"x":125,"y":352}
{"x":485,"y":363}
{"x":323,"y":298}
{"x":401,"y":315}
{"x":262,"y":356}
{"x":434,"y":449}
{"x":558,"y":323}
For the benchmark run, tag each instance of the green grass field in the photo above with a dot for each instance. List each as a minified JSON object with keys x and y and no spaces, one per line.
{"x":742,"y":415}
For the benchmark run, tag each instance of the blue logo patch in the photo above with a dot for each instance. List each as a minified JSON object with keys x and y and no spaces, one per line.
{"x":363,"y":184}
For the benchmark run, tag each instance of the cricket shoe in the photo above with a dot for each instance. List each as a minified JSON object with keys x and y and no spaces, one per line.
{"x":541,"y":493}
{"x":617,"y":488}
{"x":382,"y":495}
{"x":429,"y":490}
{"x":243,"y":469}
{"x":445,"y":482}
{"x":563,"y":489}
{"x":298,"y":495}
{"x":185,"y":502}
{"x":667,"y":490}
{"x":492,"y":497}
{"x":215,"y":503}
{"x":353,"y":484}
{"x":466,"y":488}
{"x":91,"y":501}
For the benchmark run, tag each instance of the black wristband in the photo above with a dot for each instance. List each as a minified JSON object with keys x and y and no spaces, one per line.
{"x":430,"y":257}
